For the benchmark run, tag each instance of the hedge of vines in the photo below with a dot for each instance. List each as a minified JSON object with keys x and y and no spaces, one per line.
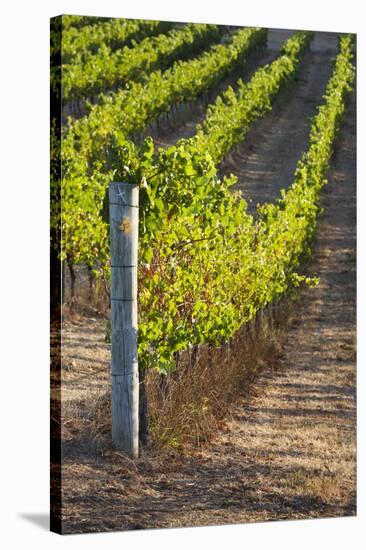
{"x":106,"y":70}
{"x":88,"y":144}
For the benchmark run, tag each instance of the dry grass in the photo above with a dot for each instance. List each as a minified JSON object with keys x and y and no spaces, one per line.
{"x":318,"y":486}
{"x":198,"y":395}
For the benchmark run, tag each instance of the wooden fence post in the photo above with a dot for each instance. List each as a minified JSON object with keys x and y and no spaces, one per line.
{"x":123,"y":216}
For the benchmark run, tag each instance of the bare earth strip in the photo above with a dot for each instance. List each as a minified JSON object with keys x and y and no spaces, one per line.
{"x":288,"y":450}
{"x":265,"y":162}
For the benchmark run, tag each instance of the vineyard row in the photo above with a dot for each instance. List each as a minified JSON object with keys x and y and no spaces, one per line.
{"x":96,"y":73}
{"x":111,"y":34}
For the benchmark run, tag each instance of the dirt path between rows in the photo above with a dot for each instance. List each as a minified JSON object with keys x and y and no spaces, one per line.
{"x":287,"y":450}
{"x":265,"y":162}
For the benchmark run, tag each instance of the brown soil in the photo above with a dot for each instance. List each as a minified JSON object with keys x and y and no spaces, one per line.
{"x":281,"y":137}
{"x":85,"y":359}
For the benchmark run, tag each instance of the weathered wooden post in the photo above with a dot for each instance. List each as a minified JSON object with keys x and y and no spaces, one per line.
{"x":123,"y":217}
